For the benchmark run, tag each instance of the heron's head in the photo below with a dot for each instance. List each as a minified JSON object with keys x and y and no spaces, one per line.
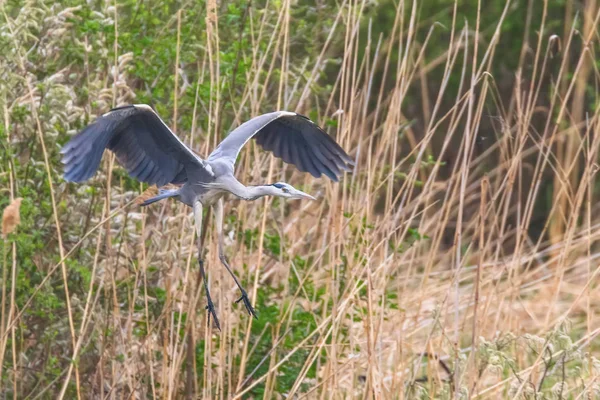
{"x":289,"y":192}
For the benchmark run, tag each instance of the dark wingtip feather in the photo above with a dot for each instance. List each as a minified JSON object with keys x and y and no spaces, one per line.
{"x":332,"y":176}
{"x":347,"y":159}
{"x":77,"y":173}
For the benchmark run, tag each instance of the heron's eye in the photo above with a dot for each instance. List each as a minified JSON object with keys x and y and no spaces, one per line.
{"x":285,"y":190}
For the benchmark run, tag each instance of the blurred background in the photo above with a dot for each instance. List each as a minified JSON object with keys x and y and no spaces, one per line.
{"x":458,"y":260}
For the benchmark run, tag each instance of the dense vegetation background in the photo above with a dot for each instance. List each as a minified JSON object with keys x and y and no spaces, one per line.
{"x":458,"y":260}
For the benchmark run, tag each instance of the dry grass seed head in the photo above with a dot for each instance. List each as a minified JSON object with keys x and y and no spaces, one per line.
{"x":11,"y":217}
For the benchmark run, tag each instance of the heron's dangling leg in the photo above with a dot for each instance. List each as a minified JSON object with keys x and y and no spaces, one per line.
{"x":198,"y":221}
{"x":219,"y":220}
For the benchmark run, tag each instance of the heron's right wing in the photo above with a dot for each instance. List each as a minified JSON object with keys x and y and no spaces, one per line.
{"x":142,"y":142}
{"x":292,"y":137}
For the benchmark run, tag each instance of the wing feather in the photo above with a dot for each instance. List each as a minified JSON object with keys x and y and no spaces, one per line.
{"x":268,"y":141}
{"x":307,"y":163}
{"x":286,"y":154}
{"x":292,"y":137}
{"x":140,"y":168}
{"x":145,"y":172}
{"x":296,"y":160}
{"x":331,"y":166}
{"x":278,"y":146}
{"x":181,"y":177}
{"x":330,"y":154}
{"x":135,"y":160}
{"x":322,"y":168}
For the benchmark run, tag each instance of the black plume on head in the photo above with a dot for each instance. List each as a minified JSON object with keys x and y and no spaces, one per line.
{"x":278,"y":185}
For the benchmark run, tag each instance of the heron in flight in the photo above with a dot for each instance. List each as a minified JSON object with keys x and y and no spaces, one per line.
{"x":152,"y":153}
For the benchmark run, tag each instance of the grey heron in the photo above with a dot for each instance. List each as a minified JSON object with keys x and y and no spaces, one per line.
{"x":152,"y":153}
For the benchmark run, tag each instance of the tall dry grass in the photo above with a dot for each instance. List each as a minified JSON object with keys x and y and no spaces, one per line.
{"x":435,"y":280}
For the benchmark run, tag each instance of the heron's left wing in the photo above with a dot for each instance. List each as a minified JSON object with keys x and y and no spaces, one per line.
{"x":292,"y":137}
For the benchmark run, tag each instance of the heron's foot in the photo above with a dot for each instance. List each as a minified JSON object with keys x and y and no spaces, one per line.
{"x":247,"y":303}
{"x":211,"y":311}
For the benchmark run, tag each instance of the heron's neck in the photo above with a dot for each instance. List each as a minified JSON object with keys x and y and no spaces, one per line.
{"x":251,"y":192}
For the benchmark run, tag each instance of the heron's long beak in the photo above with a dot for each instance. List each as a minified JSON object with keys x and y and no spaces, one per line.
{"x":298,"y":194}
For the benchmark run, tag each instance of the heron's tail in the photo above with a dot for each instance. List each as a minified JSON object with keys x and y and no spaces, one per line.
{"x":162,"y":194}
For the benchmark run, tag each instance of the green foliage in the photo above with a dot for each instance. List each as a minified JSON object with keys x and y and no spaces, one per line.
{"x":301,"y":323}
{"x":413,"y":236}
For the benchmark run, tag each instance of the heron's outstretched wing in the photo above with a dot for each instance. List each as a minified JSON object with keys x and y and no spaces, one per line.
{"x":293,"y":138}
{"x":142,"y":142}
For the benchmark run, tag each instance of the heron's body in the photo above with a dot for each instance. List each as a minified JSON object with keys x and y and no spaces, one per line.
{"x":152,"y":153}
{"x":207,"y":196}
{"x":202,"y":189}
